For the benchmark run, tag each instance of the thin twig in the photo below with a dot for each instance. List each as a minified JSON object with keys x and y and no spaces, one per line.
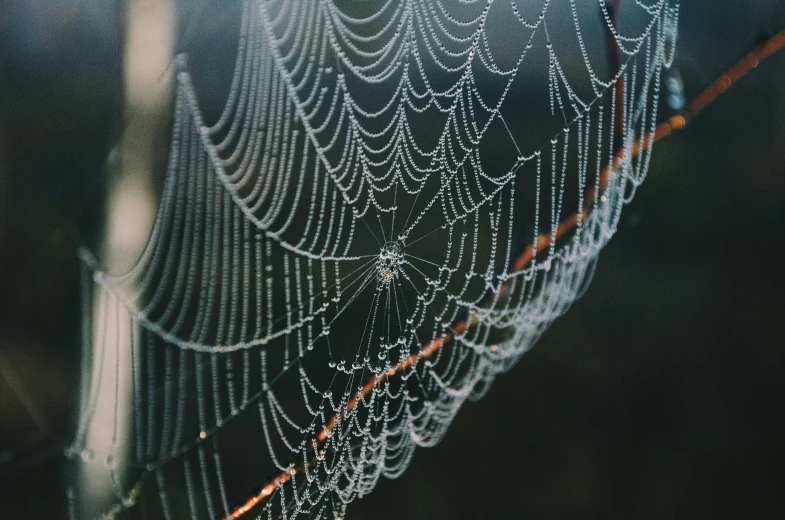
{"x":672,"y":124}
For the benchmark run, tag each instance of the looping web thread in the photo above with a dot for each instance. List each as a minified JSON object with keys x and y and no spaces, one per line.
{"x":336,"y":264}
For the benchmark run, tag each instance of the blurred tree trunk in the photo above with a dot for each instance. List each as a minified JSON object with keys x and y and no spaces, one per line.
{"x":134,"y":170}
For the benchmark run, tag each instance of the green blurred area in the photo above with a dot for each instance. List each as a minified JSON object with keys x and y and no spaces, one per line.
{"x":659,"y":395}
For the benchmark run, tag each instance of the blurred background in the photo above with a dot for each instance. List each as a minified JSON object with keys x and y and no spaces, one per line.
{"x":659,"y":395}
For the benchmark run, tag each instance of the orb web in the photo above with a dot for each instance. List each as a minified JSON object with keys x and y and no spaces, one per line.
{"x":397,"y":199}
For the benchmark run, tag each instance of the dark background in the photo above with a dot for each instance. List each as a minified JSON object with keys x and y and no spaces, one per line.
{"x":659,"y":395}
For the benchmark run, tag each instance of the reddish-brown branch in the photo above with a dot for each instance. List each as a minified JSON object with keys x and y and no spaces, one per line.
{"x":664,"y":129}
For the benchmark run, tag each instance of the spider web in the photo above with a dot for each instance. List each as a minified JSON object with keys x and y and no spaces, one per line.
{"x":371,"y":230}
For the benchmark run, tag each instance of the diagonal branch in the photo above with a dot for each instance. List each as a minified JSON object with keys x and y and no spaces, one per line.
{"x":672,"y":124}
